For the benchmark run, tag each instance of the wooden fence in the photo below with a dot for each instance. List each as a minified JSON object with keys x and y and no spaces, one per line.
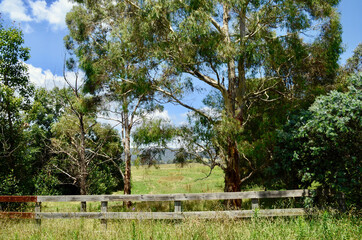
{"x":177,"y":198}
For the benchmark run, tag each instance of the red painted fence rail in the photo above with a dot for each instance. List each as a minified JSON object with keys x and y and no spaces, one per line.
{"x":17,"y":215}
{"x":22,"y":199}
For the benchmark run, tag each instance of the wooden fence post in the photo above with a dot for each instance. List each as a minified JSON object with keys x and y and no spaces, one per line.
{"x":254,"y":203}
{"x":83,"y":206}
{"x":178,"y":206}
{"x":37,"y":210}
{"x":104,"y":209}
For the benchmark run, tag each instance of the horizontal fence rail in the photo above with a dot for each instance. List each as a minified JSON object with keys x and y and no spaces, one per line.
{"x":177,"y":198}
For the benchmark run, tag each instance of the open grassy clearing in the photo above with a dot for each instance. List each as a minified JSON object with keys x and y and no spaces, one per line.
{"x":170,"y":178}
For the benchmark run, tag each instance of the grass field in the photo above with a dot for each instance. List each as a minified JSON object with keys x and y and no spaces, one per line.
{"x":169,"y":178}
{"x":172,"y":179}
{"x":318,"y":227}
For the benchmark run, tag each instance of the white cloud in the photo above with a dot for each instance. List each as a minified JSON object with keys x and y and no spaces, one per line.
{"x":27,"y":28}
{"x":159,"y":115}
{"x":54,"y":14}
{"x":38,"y":11}
{"x":45,"y":78}
{"x":16,"y":9}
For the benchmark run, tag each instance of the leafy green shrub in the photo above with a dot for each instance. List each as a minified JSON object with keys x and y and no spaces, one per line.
{"x":322,"y":146}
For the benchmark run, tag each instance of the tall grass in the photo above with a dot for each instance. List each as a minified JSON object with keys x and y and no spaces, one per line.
{"x":323,"y":226}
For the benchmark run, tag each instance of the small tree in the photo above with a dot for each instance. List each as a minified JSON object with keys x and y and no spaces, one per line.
{"x":86,"y":151}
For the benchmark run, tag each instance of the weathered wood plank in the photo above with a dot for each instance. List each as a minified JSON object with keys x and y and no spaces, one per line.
{"x":18,"y":198}
{"x":177,"y":197}
{"x":83,"y":206}
{"x":28,"y":215}
{"x":178,"y":206}
{"x":247,"y":213}
{"x":174,"y":215}
{"x":104,"y":209}
{"x":254,"y":203}
{"x":37,"y":209}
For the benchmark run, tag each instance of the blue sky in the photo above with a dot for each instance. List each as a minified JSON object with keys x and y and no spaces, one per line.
{"x":43,"y":24}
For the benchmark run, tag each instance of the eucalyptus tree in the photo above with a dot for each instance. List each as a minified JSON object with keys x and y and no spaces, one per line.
{"x":248,"y":51}
{"x":113,"y":56}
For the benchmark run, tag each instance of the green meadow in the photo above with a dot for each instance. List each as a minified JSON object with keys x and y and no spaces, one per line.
{"x":170,"y":178}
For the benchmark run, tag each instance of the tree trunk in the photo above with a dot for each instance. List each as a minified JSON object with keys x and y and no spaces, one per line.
{"x":236,"y":94}
{"x":127,"y":152}
{"x":11,"y":136}
{"x":127,"y":157}
{"x":82,"y":162}
{"x":83,"y":185}
{"x":232,"y":174}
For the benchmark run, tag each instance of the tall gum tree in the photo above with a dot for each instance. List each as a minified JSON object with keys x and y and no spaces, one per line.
{"x":248,"y":51}
{"x":110,"y":50}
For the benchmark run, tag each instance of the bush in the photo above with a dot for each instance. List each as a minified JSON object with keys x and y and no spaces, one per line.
{"x":323,"y":145}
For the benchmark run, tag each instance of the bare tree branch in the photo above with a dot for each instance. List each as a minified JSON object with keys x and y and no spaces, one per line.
{"x":74,"y":178}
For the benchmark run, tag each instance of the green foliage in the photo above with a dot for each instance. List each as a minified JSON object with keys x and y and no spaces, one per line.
{"x":15,"y":90}
{"x":156,"y":132}
{"x":323,"y":145}
{"x":45,"y":182}
{"x":9,"y":185}
{"x":13,"y":71}
{"x":46,"y":109}
{"x":151,"y":138}
{"x":104,"y":179}
{"x":102,"y":154}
